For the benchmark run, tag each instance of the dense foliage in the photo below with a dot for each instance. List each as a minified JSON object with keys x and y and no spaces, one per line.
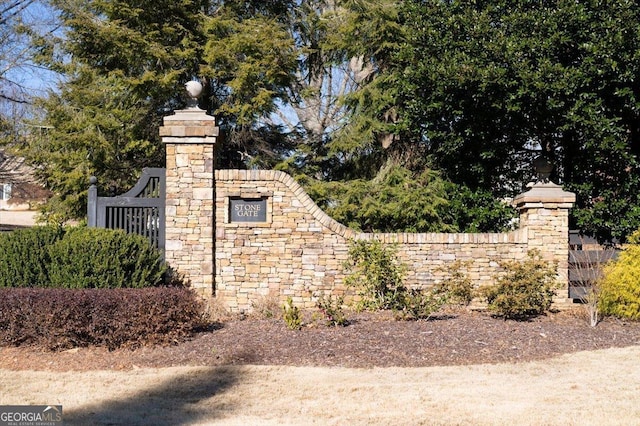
{"x":104,"y":258}
{"x":285,"y":80}
{"x":121,"y":63}
{"x":344,"y":95}
{"x":25,"y":256}
{"x":58,"y":319}
{"x":78,"y":258}
{"x":619,"y":288}
{"x":400,"y":200}
{"x":124,"y":62}
{"x":487,"y":86}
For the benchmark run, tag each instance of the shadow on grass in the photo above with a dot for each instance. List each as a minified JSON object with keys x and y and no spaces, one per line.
{"x":176,"y":401}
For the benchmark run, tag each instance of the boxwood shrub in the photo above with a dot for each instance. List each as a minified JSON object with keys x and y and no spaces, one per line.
{"x":78,"y":258}
{"x":104,"y":258}
{"x":25,"y":256}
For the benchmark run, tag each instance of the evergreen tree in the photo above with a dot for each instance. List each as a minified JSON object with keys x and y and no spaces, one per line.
{"x":304,"y":86}
{"x":484,"y":87}
{"x":124,"y":64}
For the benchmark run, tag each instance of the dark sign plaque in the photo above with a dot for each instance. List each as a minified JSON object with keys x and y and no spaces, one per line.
{"x":247,"y":209}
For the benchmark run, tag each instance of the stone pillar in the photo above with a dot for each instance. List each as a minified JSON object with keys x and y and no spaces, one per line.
{"x":190,"y":136}
{"x":544,"y":217}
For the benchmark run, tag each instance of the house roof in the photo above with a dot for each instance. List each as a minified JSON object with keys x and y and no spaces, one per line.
{"x":14,"y":169}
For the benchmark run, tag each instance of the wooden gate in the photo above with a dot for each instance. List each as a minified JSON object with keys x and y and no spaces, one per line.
{"x":140,"y":210}
{"x":586,"y":259}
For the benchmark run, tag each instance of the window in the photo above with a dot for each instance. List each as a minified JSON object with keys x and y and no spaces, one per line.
{"x":5,"y":191}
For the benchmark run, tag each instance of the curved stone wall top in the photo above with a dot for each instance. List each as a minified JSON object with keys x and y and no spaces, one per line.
{"x":518,"y":236}
{"x":302,"y":196}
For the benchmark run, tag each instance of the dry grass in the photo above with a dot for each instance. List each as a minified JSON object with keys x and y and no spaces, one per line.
{"x":588,"y":388}
{"x":267,"y":306}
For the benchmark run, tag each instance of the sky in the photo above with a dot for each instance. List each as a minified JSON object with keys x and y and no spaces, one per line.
{"x":14,"y":63}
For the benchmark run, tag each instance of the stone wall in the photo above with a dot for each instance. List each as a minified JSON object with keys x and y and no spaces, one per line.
{"x":240,"y":235}
{"x":299,"y":251}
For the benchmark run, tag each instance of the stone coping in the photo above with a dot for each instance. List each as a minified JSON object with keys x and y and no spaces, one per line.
{"x":517,"y":236}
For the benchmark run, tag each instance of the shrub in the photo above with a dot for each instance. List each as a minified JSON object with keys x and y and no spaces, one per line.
{"x":457,"y":285}
{"x":526,"y":288}
{"x":59,"y":319}
{"x":420,"y":304}
{"x":78,"y":258}
{"x":104,"y":258}
{"x":376,"y":274}
{"x":378,"y":277}
{"x":620,"y":284}
{"x":291,"y":315}
{"x":331,"y":310}
{"x":25,"y":256}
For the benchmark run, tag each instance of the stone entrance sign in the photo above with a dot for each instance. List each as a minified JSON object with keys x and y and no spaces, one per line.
{"x":247,"y":209}
{"x":242,"y":235}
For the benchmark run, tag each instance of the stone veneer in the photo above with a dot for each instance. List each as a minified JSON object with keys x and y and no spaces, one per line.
{"x":298,"y":251}
{"x":189,"y":137}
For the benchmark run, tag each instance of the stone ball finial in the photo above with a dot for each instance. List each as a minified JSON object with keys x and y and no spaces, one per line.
{"x":194,"y":89}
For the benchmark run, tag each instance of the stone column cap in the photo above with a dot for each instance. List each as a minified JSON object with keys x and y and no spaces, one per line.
{"x":191,"y":125}
{"x":545,"y":193}
{"x":190,"y":114}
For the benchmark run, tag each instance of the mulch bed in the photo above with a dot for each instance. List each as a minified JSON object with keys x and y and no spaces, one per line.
{"x":370,"y":340}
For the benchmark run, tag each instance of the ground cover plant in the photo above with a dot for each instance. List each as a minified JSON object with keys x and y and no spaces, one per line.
{"x":58,"y":319}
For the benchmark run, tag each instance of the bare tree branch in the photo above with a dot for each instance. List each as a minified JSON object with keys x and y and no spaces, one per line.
{"x":13,"y":9}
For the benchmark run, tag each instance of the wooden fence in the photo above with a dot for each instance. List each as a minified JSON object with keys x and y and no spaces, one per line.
{"x":586,"y":259}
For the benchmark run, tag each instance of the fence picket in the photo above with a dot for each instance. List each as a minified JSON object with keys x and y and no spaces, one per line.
{"x":140,"y":210}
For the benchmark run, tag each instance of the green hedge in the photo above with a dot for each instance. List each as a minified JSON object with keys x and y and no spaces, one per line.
{"x":78,"y":258}
{"x":104,"y":258}
{"x":25,"y":256}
